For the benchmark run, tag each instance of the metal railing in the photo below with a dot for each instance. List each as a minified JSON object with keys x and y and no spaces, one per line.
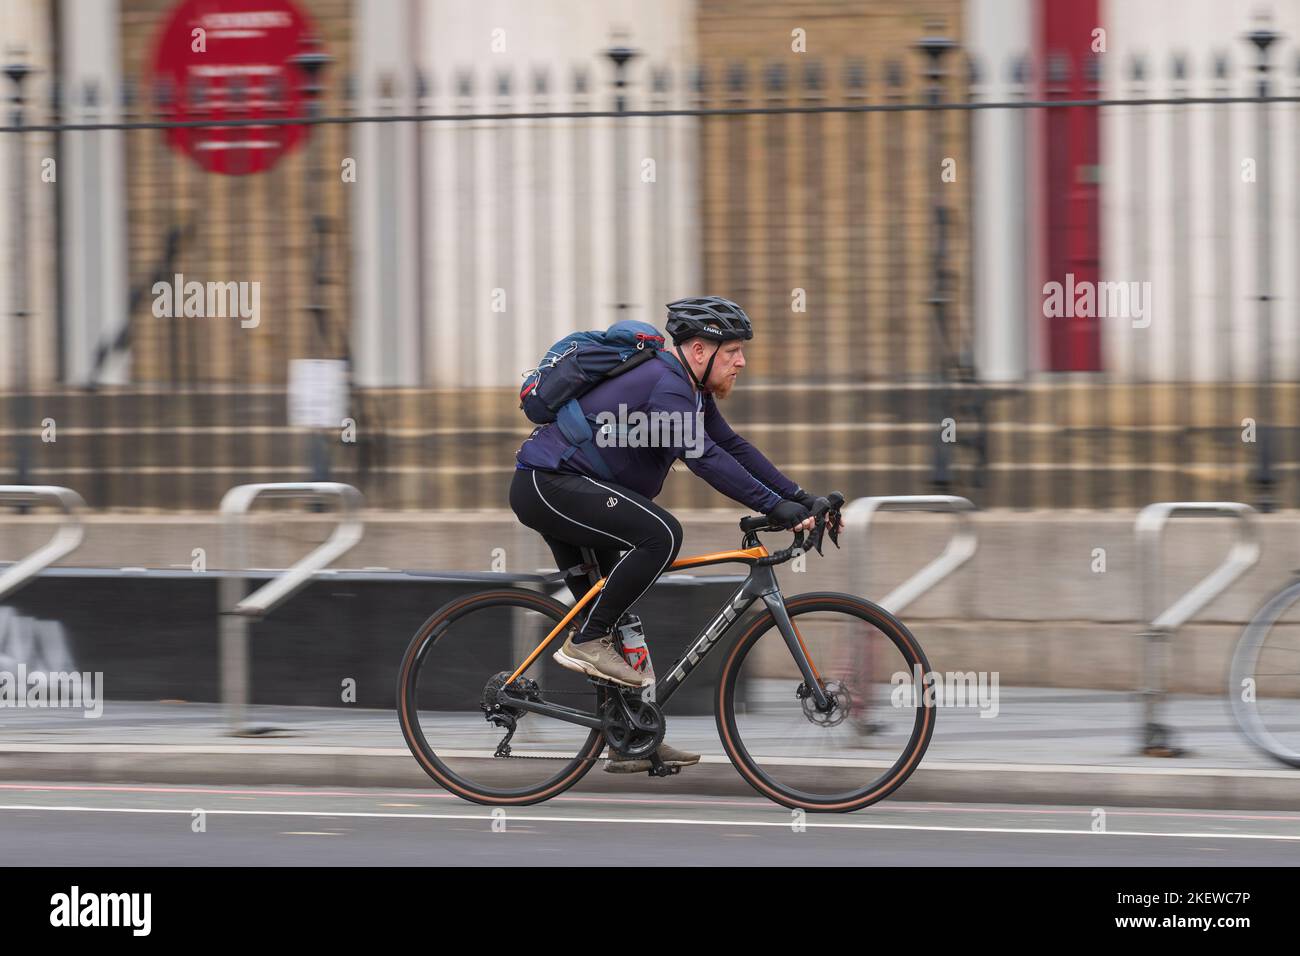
{"x":803,"y":193}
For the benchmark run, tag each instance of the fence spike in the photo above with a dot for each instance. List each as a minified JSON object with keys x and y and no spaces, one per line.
{"x":699,"y":80}
{"x":774,"y":78}
{"x":737,"y":80}
{"x":855,"y":75}
{"x":894,"y":74}
{"x":814,"y":76}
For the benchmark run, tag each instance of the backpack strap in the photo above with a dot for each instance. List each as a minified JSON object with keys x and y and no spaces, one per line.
{"x":576,"y":428}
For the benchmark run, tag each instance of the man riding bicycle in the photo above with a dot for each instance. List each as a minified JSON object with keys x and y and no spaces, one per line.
{"x":557,"y":491}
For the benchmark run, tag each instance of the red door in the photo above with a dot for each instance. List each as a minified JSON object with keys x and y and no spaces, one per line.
{"x":1071,"y":207}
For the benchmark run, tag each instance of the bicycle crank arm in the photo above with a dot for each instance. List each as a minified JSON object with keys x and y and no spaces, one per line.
{"x":552,"y":710}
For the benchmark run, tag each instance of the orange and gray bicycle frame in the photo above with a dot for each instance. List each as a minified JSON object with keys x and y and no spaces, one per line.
{"x":760,"y":584}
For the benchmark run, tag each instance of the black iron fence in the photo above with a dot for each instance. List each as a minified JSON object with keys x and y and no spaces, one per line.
{"x":893,"y":228}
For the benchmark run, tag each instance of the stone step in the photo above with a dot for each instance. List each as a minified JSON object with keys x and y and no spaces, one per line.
{"x":1062,"y":404}
{"x":842,"y":444}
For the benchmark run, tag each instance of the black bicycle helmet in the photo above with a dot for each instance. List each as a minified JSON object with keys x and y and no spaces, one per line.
{"x":710,"y":316}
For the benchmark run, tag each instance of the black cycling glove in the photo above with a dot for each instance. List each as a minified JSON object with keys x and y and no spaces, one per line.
{"x":805,"y":498}
{"x":787,"y":514}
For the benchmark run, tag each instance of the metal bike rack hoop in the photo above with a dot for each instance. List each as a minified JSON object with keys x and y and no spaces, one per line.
{"x":235,"y":505}
{"x":66,"y":538}
{"x":237,"y":610}
{"x":1150,"y":527}
{"x":1157,"y":738}
{"x":957,"y":552}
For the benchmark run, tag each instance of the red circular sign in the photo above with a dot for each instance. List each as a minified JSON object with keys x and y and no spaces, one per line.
{"x":229,"y":59}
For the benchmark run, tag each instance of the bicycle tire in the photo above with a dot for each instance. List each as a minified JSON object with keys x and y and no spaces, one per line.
{"x":764,"y":783}
{"x":1245,"y":658}
{"x":408,"y":684}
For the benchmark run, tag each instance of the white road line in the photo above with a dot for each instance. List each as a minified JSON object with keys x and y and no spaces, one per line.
{"x":523,"y":817}
{"x":973,"y":766}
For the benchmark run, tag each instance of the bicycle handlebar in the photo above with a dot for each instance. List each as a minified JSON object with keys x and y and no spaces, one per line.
{"x":822,"y":510}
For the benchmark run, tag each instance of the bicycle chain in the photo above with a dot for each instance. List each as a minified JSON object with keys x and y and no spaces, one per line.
{"x":554,"y":693}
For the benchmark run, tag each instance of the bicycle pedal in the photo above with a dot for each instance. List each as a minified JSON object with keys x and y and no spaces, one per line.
{"x":659,"y":769}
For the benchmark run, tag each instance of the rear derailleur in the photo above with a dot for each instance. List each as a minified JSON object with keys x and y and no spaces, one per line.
{"x":503,"y":715}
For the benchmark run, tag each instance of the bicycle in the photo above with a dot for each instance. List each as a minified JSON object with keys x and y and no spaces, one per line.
{"x":768,"y":705}
{"x":1264,"y":681}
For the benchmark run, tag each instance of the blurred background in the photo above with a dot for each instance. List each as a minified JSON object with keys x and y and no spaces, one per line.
{"x":888,"y":188}
{"x":1038,"y":254}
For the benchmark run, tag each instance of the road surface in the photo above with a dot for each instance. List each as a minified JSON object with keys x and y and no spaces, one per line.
{"x":96,"y":824}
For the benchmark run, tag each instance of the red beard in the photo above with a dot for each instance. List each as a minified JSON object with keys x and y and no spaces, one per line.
{"x":723,"y":390}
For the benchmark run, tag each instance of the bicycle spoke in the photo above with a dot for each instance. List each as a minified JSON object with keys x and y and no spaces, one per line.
{"x":484,"y":747}
{"x":841,"y":752}
{"x":1271,"y":717}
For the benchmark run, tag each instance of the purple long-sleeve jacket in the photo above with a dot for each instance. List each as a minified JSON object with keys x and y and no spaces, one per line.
{"x":641,"y":462}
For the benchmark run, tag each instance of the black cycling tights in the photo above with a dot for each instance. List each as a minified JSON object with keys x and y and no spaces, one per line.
{"x":572,"y":512}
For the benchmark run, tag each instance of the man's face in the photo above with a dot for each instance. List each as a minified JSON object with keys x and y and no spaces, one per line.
{"x":726,"y":367}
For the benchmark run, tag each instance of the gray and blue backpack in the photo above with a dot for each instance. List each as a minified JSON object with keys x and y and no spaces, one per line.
{"x":574,"y":366}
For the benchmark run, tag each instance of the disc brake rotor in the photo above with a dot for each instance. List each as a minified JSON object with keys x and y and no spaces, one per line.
{"x":841,"y":704}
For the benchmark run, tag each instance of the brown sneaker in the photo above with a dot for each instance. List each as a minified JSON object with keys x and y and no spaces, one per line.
{"x":599,"y":659}
{"x":671,"y":757}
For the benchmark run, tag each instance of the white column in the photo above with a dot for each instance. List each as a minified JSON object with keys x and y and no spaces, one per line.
{"x":999,"y":31}
{"x":25,"y":37}
{"x":467,"y":343}
{"x":386,"y":282}
{"x":1200,"y":29}
{"x":92,"y":185}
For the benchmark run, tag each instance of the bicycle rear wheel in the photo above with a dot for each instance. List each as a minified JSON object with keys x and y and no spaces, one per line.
{"x":1264,"y":687}
{"x":445,"y":691}
{"x":866,"y":746}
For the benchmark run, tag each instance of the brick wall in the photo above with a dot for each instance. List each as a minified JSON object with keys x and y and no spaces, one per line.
{"x":835,"y":204}
{"x":237,"y":228}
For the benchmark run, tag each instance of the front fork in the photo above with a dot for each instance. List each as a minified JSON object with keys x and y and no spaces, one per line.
{"x":776,"y":605}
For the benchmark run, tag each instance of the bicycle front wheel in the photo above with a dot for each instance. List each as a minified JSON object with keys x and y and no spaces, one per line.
{"x":446,"y":689}
{"x":866,"y":745}
{"x":1264,"y":687}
